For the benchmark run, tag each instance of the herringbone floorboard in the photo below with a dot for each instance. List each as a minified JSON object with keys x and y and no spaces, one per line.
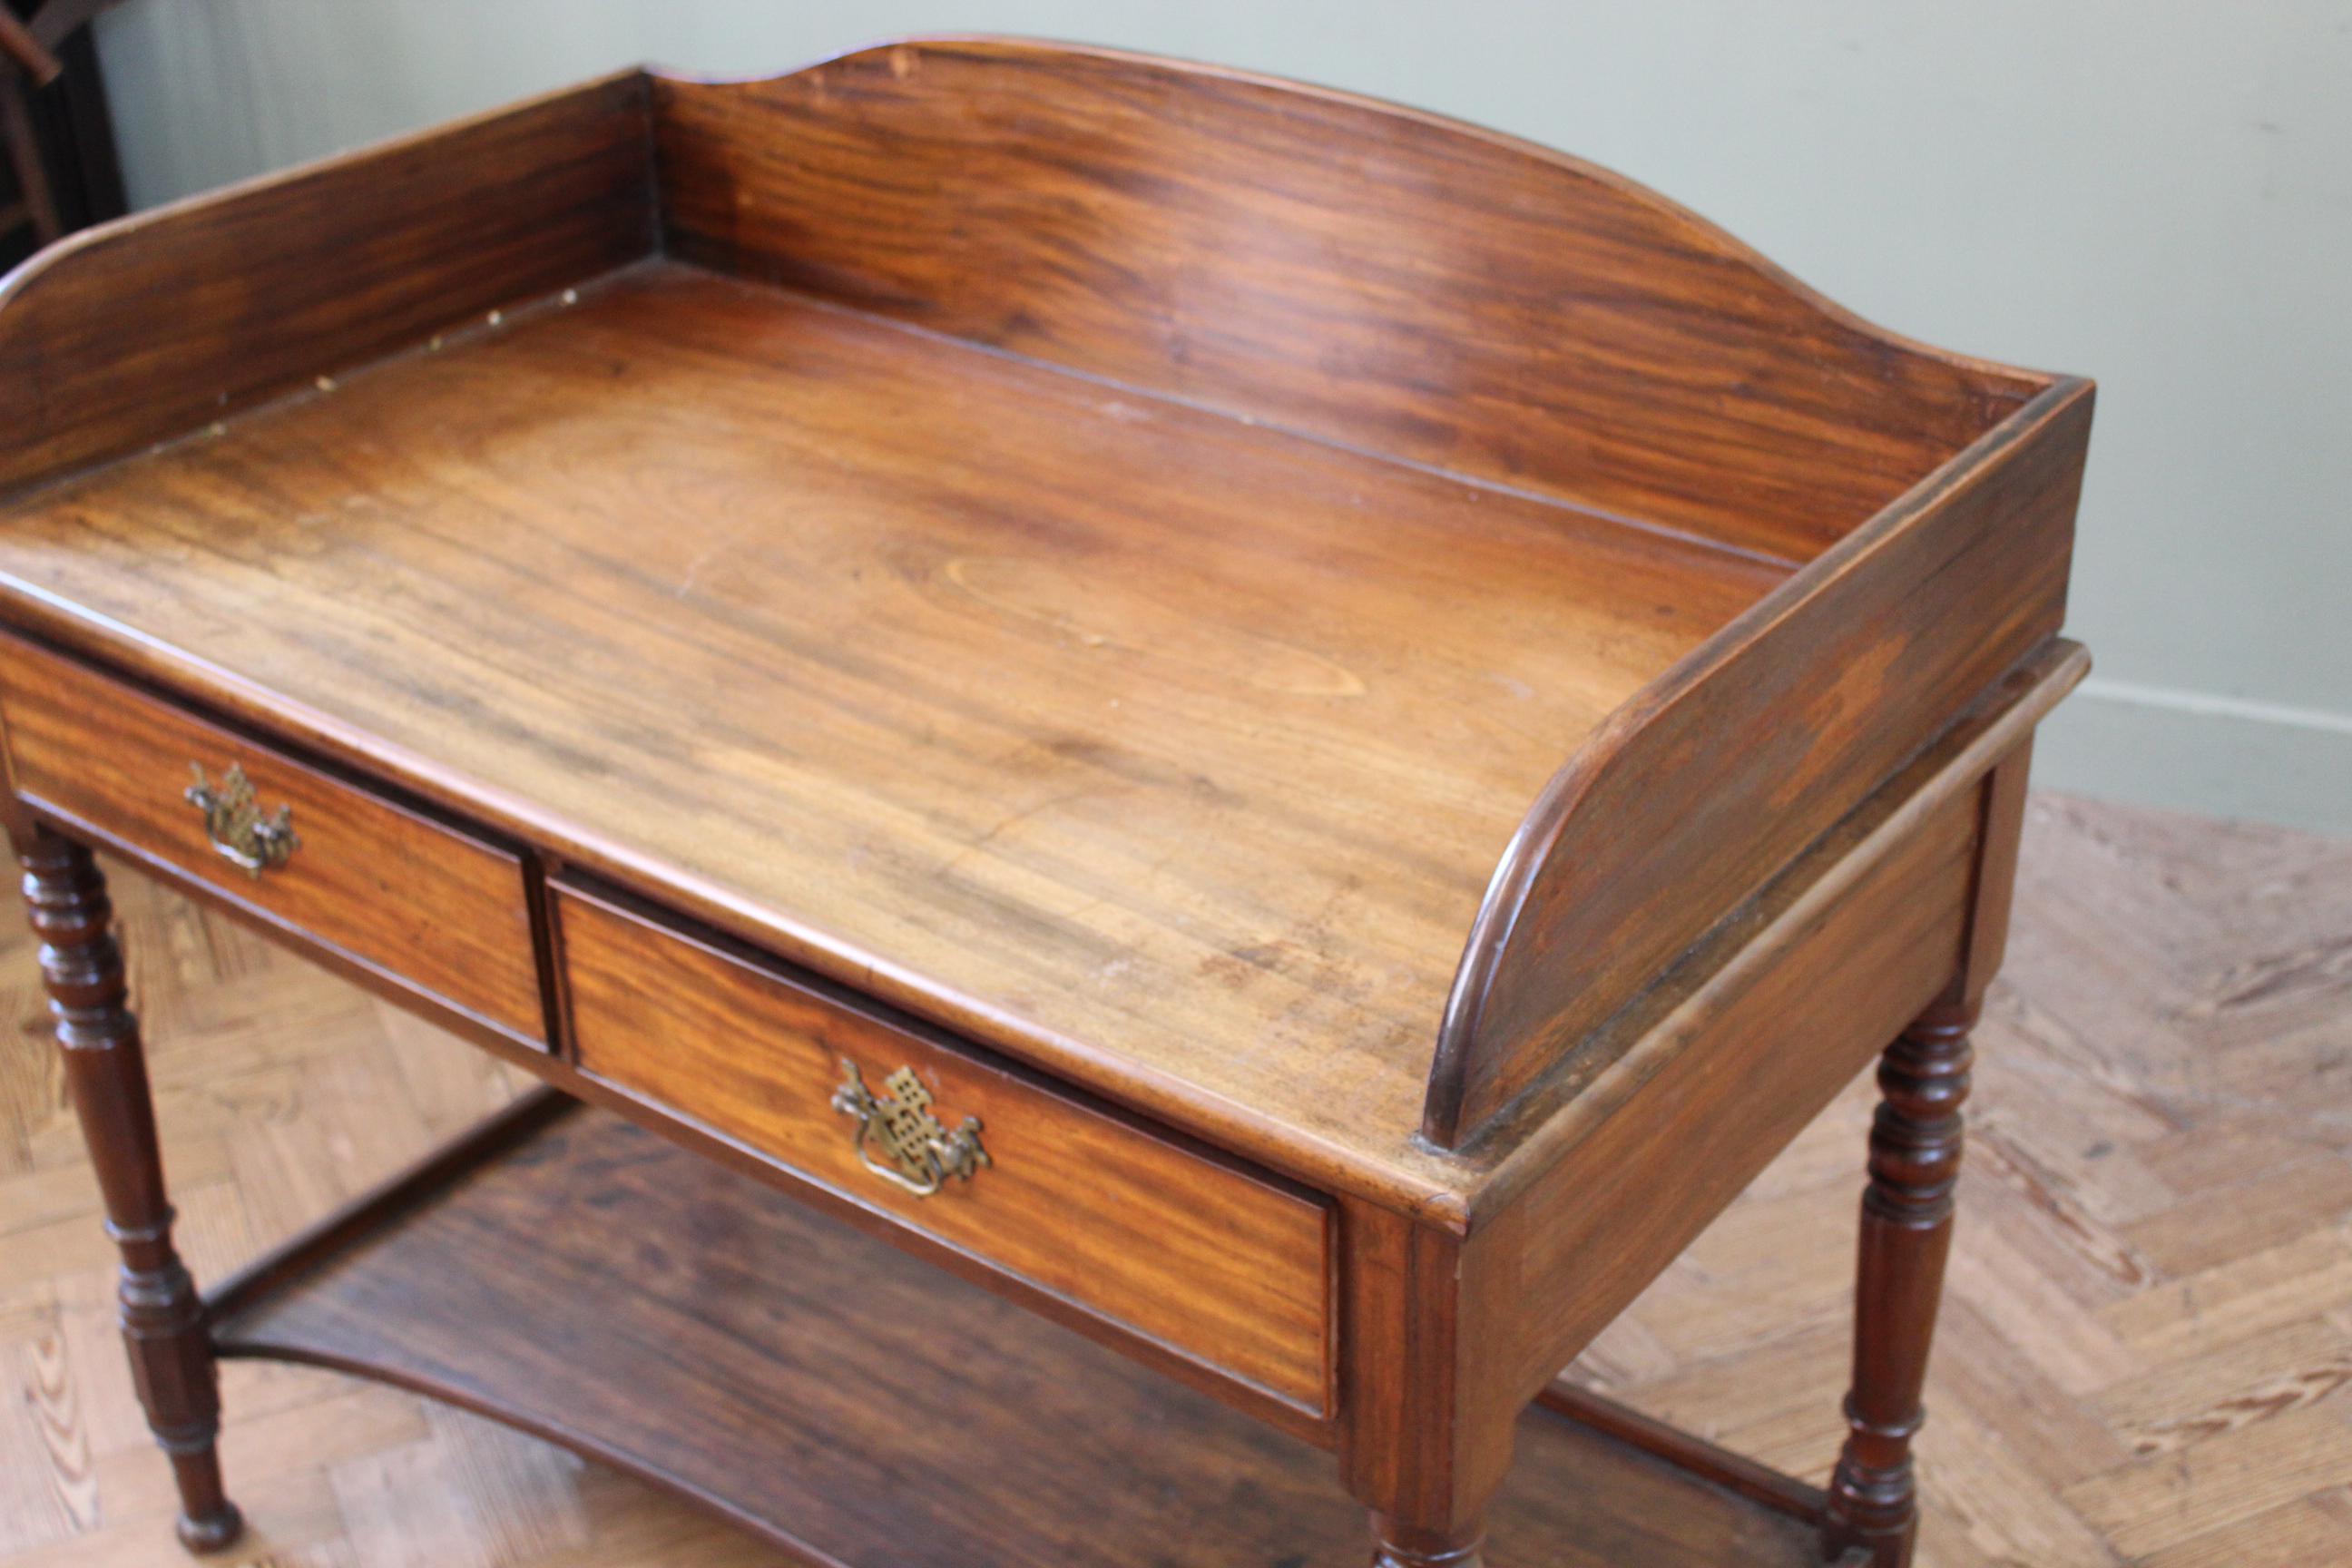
{"x":2149,"y":1319}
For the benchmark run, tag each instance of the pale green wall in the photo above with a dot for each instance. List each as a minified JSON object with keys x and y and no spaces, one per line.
{"x":2157,"y":194}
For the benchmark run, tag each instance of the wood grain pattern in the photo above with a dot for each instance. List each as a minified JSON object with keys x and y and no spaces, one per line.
{"x":1716,"y":775}
{"x":1996,"y":889}
{"x":1230,"y":1268}
{"x":1426,"y":1437}
{"x":1906,"y":1236}
{"x":1684,"y":1001}
{"x":2167,"y":1034}
{"x":1384,"y":278}
{"x":1112,"y":604}
{"x":1000,"y":641}
{"x":773,"y":613}
{"x":161,"y":1319}
{"x":844,"y":1394}
{"x":417,"y":900}
{"x":1605,"y":1218}
{"x":1741,"y":1044}
{"x":145,"y":329}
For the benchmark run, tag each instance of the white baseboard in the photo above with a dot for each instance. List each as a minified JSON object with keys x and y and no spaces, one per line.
{"x":2222,"y":755}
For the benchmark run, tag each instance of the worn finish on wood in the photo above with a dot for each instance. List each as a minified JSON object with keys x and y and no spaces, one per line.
{"x":1740,"y":1053}
{"x":1134,"y":665}
{"x":1603,"y":1220}
{"x":1437,"y":292}
{"x":1684,"y":1003}
{"x":147,"y":327}
{"x":1227,"y":1266}
{"x":1070,"y":741}
{"x":1697,"y":790}
{"x":1073,"y":845}
{"x":412,"y":897}
{"x":163,"y":1324}
{"x":830,"y":1393}
{"x":1906,"y":1230}
{"x":1424,"y":1441}
{"x":2116,"y":1373}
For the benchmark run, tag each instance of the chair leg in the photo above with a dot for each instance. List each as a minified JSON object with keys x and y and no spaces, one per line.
{"x":162,"y":1317}
{"x":1906,"y":1231}
{"x":24,"y":156}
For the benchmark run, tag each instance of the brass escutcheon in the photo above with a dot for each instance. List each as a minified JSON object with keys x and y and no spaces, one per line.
{"x":236,"y":827}
{"x":922,"y":1154}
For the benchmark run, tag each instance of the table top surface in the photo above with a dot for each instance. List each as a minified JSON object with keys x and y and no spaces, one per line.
{"x":1163,"y":743}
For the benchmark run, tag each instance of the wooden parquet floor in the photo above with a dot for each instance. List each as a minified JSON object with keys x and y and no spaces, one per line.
{"x":2148,"y":1326}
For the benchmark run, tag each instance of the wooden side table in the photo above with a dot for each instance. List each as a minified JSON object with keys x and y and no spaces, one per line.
{"x":1170,"y":772}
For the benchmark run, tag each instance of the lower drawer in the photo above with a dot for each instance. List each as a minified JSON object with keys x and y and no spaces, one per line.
{"x":1229,"y":1267}
{"x":420,"y":902}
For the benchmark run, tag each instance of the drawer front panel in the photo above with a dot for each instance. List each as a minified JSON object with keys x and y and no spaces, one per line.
{"x":406,"y":895}
{"x":1228,"y":1266}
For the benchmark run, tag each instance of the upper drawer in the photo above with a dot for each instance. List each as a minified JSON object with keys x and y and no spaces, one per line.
{"x":403,"y":894}
{"x":1194,"y":1251}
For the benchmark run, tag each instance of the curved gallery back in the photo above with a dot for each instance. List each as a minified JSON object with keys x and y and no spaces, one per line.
{"x":1435,"y":292}
{"x":1440,"y":299}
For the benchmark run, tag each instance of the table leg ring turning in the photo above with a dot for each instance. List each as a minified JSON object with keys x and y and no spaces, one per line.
{"x":162,"y":1315}
{"x":1906,"y":1231}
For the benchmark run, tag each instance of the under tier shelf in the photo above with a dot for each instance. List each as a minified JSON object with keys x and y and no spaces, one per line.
{"x":592,"y":1283}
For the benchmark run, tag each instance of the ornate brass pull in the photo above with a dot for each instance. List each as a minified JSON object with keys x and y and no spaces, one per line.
{"x":236,"y":827}
{"x":922,"y":1154}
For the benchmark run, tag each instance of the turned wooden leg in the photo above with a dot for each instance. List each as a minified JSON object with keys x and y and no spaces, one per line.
{"x":163,"y":1322}
{"x":1906,"y":1229}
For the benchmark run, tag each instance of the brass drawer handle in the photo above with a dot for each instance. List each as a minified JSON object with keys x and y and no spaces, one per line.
{"x":922,"y":1154}
{"x":236,"y":827}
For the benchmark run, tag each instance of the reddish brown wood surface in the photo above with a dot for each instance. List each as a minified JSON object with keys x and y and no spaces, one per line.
{"x":1159,"y":749}
{"x":353,"y":1223}
{"x":415,"y":899}
{"x":1906,"y":1231}
{"x":142,"y":330}
{"x":1011,"y":694}
{"x":2154,"y":959}
{"x":1124,"y":820}
{"x":1735,"y":1472}
{"x":1685,"y":1002}
{"x":1618,"y":1207}
{"x":1228,"y":1266}
{"x":1163,"y":743}
{"x":1714,"y":777}
{"x":1741,"y":1045}
{"x":162,"y":1325}
{"x":1384,"y":278}
{"x":1426,"y":1431}
{"x":2004,"y":823}
{"x":1114,"y":603}
{"x":831,"y":1392}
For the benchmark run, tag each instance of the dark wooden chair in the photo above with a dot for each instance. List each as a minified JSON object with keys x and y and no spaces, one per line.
{"x":38,"y":52}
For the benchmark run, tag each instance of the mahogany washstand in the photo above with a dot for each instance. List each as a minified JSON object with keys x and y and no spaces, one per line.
{"x":1169,"y":772}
